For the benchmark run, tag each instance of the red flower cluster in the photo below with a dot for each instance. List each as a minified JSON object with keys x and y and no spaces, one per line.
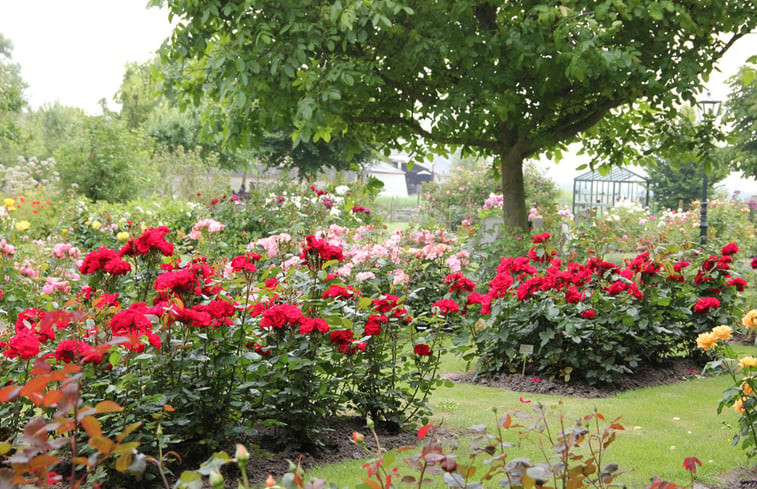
{"x":24,"y":345}
{"x":359,"y":208}
{"x":219,"y":310}
{"x":318,"y":250}
{"x":245,"y":262}
{"x":458,"y":282}
{"x":390,"y":304}
{"x":422,"y":350}
{"x":178,"y":281}
{"x":317,"y":191}
{"x":729,"y":249}
{"x":374,"y":325}
{"x":445,"y":306}
{"x":69,"y":351}
{"x":338,"y":292}
{"x":281,"y":315}
{"x":573,"y":295}
{"x":104,"y":259}
{"x":151,"y":239}
{"x":308,"y":325}
{"x":705,"y":304}
{"x":344,"y":341}
{"x":540,"y":238}
{"x":195,"y":277}
{"x":133,"y":322}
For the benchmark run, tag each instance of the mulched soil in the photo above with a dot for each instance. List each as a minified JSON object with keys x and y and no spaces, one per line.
{"x":674,"y":370}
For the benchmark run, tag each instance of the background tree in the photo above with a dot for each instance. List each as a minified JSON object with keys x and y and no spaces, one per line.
{"x":741,"y":114}
{"x":687,"y":147}
{"x":678,"y":185}
{"x":494,"y":78}
{"x":105,"y":161}
{"x":12,"y":100}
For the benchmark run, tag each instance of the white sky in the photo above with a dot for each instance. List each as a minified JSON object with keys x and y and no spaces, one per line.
{"x":75,"y":51}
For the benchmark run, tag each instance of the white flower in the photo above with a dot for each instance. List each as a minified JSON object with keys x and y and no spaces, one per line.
{"x":341,"y":190}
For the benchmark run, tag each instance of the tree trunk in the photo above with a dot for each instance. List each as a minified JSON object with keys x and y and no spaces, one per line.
{"x":513,"y":191}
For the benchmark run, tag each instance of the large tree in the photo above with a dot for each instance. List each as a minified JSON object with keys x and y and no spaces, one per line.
{"x":507,"y":78}
{"x":741,"y":113}
{"x":12,"y":99}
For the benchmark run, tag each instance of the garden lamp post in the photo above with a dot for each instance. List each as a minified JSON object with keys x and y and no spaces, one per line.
{"x":707,"y":110}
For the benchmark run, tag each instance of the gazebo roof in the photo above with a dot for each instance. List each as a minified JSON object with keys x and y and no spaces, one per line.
{"x":616,"y":174}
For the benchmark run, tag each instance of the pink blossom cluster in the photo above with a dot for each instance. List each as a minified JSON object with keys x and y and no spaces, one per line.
{"x":211,"y":225}
{"x":493,"y":202}
{"x":55,"y":284}
{"x":271,"y":244}
{"x":6,"y":248}
{"x":27,"y":270}
{"x":64,"y":250}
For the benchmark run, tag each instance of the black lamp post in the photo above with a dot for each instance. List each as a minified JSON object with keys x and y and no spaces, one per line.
{"x":708,"y":110}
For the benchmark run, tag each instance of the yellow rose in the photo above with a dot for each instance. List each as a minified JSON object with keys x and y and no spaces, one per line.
{"x":86,"y":223}
{"x":722,"y":332}
{"x":705,"y":341}
{"x":748,"y":362}
{"x":96,"y":224}
{"x":122,"y":236}
{"x":738,"y":406}
{"x":749,"y":321}
{"x":64,"y":230}
{"x":746,"y":388}
{"x":9,"y":203}
{"x":23,"y":225}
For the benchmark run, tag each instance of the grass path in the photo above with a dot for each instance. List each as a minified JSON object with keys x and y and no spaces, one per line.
{"x":663,"y":425}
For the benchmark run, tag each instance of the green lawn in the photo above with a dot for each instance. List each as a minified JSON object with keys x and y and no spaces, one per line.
{"x":663,"y":425}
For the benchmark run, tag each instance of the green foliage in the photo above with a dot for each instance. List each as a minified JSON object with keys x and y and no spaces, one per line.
{"x":104,"y":162}
{"x":676,"y":187}
{"x":12,"y":99}
{"x":503,"y":80}
{"x":741,"y":114}
{"x":309,"y":158}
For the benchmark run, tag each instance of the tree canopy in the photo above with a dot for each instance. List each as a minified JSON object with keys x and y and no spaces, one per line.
{"x":742,"y":115}
{"x":509,"y":79}
{"x":12,"y":99}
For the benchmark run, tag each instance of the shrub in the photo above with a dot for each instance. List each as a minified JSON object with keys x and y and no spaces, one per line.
{"x":595,"y":321}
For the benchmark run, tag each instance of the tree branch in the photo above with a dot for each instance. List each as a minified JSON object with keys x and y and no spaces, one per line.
{"x":415,"y":126}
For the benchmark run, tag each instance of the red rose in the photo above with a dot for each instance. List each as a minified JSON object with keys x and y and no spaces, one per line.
{"x":540,"y":238}
{"x":729,"y":249}
{"x":422,"y":350}
{"x":70,"y":350}
{"x":341,"y":337}
{"x":244,"y":263}
{"x":386,"y":303}
{"x":588,"y":314}
{"x":280,"y":315}
{"x":573,"y":296}
{"x":374,"y":325}
{"x":24,"y":345}
{"x":446,"y":306}
{"x":739,"y":283}
{"x":704,"y":304}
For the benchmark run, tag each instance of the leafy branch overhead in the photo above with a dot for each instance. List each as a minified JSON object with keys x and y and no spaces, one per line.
{"x":495,"y":78}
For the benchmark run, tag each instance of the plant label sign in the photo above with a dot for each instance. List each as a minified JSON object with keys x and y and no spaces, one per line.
{"x":526,"y":349}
